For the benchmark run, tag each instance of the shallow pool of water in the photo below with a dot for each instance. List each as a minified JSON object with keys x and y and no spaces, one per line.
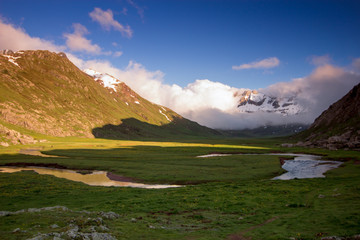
{"x":96,"y":178}
{"x":302,"y":166}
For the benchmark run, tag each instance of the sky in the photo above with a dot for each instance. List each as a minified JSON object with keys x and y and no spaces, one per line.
{"x":192,"y":55}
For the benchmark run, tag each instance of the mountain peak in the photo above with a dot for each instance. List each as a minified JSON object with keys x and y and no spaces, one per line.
{"x":106,"y":80}
{"x":251,"y":101}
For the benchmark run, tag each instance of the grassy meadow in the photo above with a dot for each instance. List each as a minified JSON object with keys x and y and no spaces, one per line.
{"x":229,"y":197}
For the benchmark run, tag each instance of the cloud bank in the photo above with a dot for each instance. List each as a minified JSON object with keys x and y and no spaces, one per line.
{"x":15,"y":38}
{"x":78,"y":43}
{"x":324,"y":86}
{"x":320,"y":60}
{"x":213,"y":104}
{"x":262,"y":64}
{"x":210,"y":103}
{"x":107,"y":21}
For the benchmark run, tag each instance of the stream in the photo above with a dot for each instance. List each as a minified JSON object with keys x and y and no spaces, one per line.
{"x":95,"y":178}
{"x":302,"y":166}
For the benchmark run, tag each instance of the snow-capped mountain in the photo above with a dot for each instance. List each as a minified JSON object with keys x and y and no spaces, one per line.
{"x":104,"y":79}
{"x":253,"y":101}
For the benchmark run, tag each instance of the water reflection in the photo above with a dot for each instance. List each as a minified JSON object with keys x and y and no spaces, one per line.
{"x":96,"y":178}
{"x":303,"y":165}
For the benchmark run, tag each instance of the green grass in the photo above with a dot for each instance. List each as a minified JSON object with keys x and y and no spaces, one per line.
{"x":227,"y":197}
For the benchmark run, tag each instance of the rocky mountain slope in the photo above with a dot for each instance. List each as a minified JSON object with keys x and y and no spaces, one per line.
{"x":251,"y":101}
{"x":338,"y":126}
{"x":47,"y":94}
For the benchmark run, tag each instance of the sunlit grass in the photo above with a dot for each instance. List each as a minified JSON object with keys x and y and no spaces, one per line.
{"x":225,"y":196}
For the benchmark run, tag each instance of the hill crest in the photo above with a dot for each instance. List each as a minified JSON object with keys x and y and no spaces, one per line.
{"x":44,"y":92}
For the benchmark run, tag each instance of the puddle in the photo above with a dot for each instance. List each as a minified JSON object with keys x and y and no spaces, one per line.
{"x":303,"y":165}
{"x":96,"y":178}
{"x":216,"y":155}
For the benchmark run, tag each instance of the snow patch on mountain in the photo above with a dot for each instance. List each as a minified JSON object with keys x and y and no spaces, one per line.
{"x":253,"y":101}
{"x":11,"y":56}
{"x":164,"y":115}
{"x":12,"y":59}
{"x":104,"y":78}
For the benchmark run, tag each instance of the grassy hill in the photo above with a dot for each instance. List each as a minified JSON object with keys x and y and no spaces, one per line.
{"x":46,"y":93}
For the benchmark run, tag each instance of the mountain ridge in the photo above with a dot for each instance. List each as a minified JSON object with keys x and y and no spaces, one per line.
{"x":251,"y":101}
{"x":338,"y":126}
{"x":45,"y":92}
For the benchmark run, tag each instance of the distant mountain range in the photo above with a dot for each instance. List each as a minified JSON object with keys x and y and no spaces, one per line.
{"x":251,"y":101}
{"x":44,"y":93}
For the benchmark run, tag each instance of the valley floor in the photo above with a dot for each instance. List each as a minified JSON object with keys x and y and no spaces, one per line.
{"x":230,"y":197}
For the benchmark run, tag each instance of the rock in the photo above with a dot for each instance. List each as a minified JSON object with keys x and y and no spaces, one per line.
{"x":332,"y":238}
{"x":4,"y":144}
{"x":54,"y":226}
{"x":20,"y":211}
{"x":73,"y":233}
{"x":321,"y":196}
{"x":102,"y":236}
{"x":39,"y":237}
{"x":356,"y":236}
{"x":5,"y":213}
{"x":32,"y":210}
{"x":287,"y":145}
{"x":103,"y":228}
{"x":54,"y":236}
{"x":63,"y":55}
{"x":55,"y":208}
{"x":16,"y":230}
{"x":7,"y":52}
{"x":109,"y":215}
{"x":99,"y":221}
{"x":57,"y":238}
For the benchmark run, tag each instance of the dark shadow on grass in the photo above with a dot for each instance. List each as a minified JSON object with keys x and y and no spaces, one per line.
{"x":132,"y":128}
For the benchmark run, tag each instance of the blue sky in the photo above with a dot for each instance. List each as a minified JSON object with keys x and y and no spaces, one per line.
{"x":196,"y":56}
{"x":198,"y":39}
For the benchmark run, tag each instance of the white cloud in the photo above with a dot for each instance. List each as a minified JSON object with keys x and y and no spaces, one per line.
{"x":324,"y":86}
{"x":78,"y":43}
{"x":199,"y":95}
{"x":356,"y":64}
{"x":16,"y":38}
{"x":118,"y":54}
{"x":140,"y":10}
{"x":262,"y":64}
{"x":213,"y":103}
{"x":209,"y":103}
{"x":107,"y":21}
{"x":320,"y":60}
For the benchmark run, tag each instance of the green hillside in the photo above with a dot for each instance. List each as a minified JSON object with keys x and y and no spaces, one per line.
{"x":46,"y":93}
